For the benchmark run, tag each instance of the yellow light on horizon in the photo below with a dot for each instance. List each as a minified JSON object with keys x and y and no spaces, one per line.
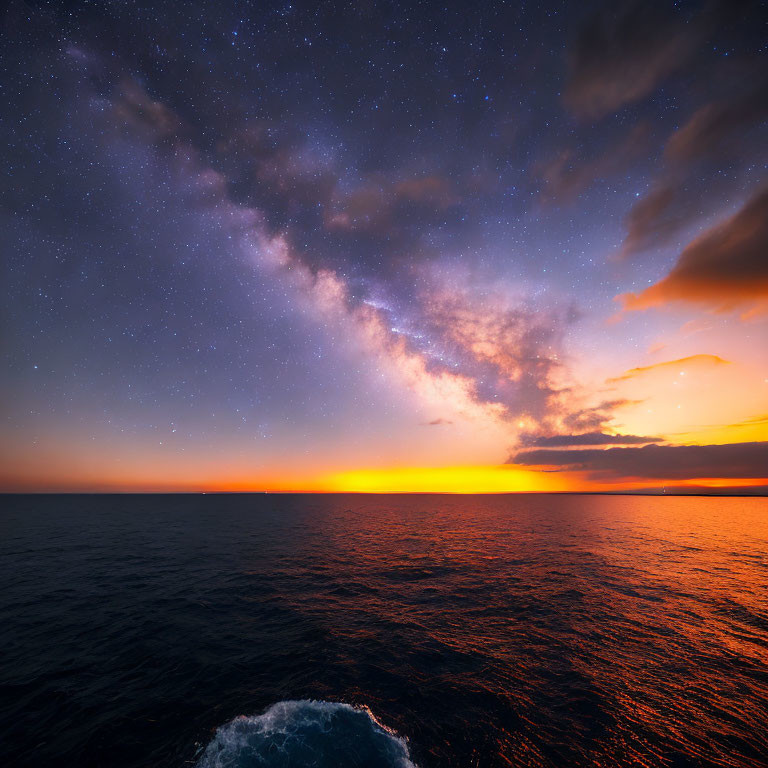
{"x":461,"y":479}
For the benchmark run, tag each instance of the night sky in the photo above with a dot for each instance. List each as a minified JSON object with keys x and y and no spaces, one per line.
{"x":378,"y":246}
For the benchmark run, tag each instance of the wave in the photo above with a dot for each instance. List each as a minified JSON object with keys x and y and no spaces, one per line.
{"x":300,"y":734}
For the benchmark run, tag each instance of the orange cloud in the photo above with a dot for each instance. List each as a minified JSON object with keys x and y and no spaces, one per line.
{"x":511,"y":351}
{"x":724,"y":268}
{"x":696,"y":360}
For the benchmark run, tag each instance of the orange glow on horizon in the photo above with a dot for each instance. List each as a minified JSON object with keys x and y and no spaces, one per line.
{"x":451,"y":479}
{"x":462,"y":479}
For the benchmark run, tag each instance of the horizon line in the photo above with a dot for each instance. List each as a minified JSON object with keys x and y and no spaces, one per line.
{"x":755,"y":491}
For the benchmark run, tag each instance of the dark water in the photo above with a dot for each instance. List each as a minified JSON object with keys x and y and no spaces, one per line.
{"x":484,"y":631}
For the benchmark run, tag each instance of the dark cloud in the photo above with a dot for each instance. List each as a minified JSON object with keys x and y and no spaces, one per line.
{"x":433,"y":191}
{"x":143,"y":116}
{"x":725,"y":267}
{"x":622,"y":54}
{"x":663,"y":462}
{"x":567,"y":174}
{"x":588,"y":438}
{"x":594,"y":418}
{"x":723,"y":134}
{"x":658,"y":215}
{"x":275,"y":167}
{"x":384,"y":206}
{"x":711,"y":125}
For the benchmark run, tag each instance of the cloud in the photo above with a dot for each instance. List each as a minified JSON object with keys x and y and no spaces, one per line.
{"x":695,"y":360}
{"x":656,"y":217}
{"x":383,"y":206}
{"x":326,"y":294}
{"x":712,"y":124}
{"x":474,"y":352}
{"x":566,"y":175}
{"x":287,"y":174}
{"x":588,"y":438}
{"x":724,"y":268}
{"x":720,"y":134}
{"x":142,"y":115}
{"x":474,"y":335}
{"x":593,"y":418}
{"x":757,"y":420}
{"x":623,"y":53}
{"x":437,"y":422}
{"x":482,"y":356}
{"x":433,"y":191}
{"x":511,"y":351}
{"x":663,"y":462}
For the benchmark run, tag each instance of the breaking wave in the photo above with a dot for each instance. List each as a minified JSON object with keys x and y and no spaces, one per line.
{"x":300,"y":734}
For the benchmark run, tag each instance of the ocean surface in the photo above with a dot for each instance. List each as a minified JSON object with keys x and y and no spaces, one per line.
{"x":269,"y":630}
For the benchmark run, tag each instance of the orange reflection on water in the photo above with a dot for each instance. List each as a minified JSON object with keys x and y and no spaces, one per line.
{"x":638,"y":623}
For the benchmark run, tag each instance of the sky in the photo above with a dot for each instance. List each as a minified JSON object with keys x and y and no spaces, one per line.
{"x":375,"y":246}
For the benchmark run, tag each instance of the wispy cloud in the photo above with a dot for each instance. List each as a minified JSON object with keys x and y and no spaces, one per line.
{"x":623,"y":53}
{"x":721,"y":134}
{"x":587,"y":438}
{"x":676,"y":365}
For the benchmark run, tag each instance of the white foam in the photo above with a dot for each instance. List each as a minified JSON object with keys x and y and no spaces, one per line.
{"x":299,"y":734}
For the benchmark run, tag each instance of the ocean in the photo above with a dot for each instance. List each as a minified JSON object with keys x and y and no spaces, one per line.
{"x":378,"y":630}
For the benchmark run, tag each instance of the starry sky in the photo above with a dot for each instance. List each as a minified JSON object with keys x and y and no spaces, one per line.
{"x":384,"y":246}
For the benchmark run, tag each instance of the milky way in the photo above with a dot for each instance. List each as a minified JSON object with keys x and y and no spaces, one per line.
{"x":257,"y":245}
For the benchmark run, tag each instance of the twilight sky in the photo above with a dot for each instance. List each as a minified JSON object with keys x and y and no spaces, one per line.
{"x":378,"y":246}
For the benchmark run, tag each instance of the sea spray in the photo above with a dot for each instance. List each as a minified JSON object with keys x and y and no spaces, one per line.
{"x":300,"y":734}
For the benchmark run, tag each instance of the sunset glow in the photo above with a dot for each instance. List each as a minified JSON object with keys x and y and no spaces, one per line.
{"x":440,"y":280}
{"x":384,"y":384}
